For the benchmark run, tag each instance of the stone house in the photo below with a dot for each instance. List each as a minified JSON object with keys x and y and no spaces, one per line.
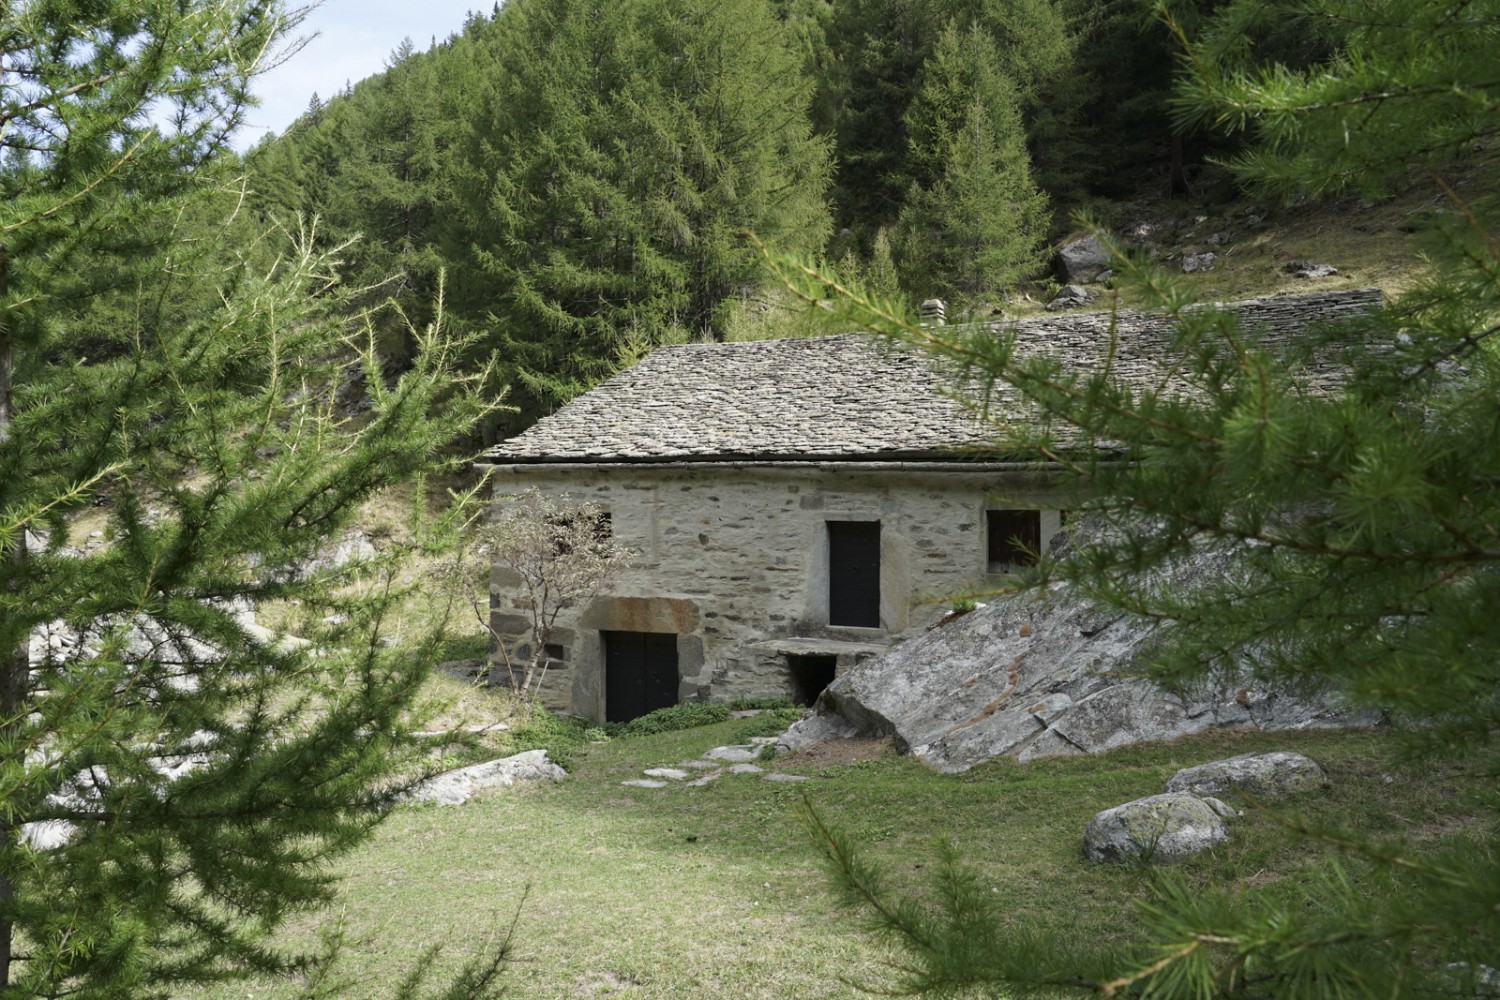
{"x":797,"y":506}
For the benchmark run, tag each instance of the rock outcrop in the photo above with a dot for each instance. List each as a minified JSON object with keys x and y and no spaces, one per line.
{"x":1047,"y":674}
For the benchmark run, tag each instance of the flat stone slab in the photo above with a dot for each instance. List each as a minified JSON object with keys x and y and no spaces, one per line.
{"x":734,"y":755}
{"x":763,"y":741}
{"x":745,"y":769}
{"x":670,"y":773}
{"x":706,"y":779}
{"x":699,"y":765}
{"x":806,"y":646}
{"x":645,"y":783}
{"x":787,"y":777}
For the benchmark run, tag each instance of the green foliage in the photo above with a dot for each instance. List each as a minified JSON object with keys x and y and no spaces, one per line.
{"x":688,"y":715}
{"x":558,"y":735}
{"x":974,"y":221}
{"x":1364,"y":525}
{"x":1408,"y":84}
{"x":195,"y":778}
{"x":879,"y":55}
{"x":771,"y":722}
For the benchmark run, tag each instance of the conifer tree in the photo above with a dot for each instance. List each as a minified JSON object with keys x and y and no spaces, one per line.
{"x":974,"y":221}
{"x":878,"y":53}
{"x":1366,"y":525}
{"x":175,"y":784}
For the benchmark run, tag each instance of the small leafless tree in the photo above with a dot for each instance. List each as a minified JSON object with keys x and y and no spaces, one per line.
{"x":560,"y":555}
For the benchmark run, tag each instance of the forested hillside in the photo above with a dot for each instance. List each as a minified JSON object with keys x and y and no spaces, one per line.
{"x":585,"y":174}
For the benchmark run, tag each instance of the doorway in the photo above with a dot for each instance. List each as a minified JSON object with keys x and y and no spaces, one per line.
{"x":854,"y":573}
{"x":640,"y":673}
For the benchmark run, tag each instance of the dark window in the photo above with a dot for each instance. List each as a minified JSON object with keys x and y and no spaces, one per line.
{"x":554,"y":652}
{"x":854,"y":573}
{"x":1015,"y":538}
{"x":640,"y":673}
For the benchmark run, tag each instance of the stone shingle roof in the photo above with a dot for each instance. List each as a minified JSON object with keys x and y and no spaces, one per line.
{"x":844,"y":398}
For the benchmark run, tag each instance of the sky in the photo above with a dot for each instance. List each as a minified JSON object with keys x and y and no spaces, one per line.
{"x":355,"y":39}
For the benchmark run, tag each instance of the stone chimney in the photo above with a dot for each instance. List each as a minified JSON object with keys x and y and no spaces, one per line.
{"x":933,"y":312}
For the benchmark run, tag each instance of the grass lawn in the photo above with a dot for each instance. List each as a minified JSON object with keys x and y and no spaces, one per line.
{"x":715,"y":892}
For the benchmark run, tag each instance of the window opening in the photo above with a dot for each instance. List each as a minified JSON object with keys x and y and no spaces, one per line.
{"x":1014,"y":538}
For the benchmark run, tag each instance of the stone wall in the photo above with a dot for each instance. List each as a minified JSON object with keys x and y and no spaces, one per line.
{"x":733,"y":559}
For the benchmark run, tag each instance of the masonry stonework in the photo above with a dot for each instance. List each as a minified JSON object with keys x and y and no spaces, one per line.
{"x":733,"y":560}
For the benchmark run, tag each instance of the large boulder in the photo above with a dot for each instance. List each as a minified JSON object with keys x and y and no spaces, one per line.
{"x":1263,"y":776}
{"x":1045,"y":674}
{"x":1082,"y":261}
{"x":1157,"y":828}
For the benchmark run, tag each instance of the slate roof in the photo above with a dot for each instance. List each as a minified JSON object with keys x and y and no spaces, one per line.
{"x":844,"y":398}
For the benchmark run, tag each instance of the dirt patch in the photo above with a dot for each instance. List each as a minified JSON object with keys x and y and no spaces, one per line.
{"x":836,"y":753}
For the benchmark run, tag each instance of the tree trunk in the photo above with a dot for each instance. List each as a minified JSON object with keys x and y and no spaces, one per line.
{"x":1179,"y":181}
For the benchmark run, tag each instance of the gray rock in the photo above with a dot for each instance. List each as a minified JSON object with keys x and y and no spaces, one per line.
{"x":745,"y":769}
{"x":1195,"y":262}
{"x":1070,"y":297}
{"x":1043,"y":674}
{"x":816,"y":729}
{"x":1483,"y":980}
{"x":458,"y":786}
{"x":1082,"y":261}
{"x":1263,"y":776}
{"x":734,"y":755}
{"x":787,"y":777}
{"x":699,"y":765}
{"x":47,"y":835}
{"x":647,"y":783}
{"x":1157,"y":828}
{"x":1307,"y":269}
{"x":670,"y":773}
{"x":696,"y":782}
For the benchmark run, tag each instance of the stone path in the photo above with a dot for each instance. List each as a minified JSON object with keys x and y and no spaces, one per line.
{"x":715,"y":763}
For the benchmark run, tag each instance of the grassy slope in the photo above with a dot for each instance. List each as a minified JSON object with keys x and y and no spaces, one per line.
{"x":714,"y":891}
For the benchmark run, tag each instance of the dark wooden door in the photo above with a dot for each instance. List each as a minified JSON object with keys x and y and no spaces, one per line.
{"x":854,"y":573}
{"x":640,"y":673}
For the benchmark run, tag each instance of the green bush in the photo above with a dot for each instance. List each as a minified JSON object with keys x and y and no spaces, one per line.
{"x":768,"y":723}
{"x":688,"y":715}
